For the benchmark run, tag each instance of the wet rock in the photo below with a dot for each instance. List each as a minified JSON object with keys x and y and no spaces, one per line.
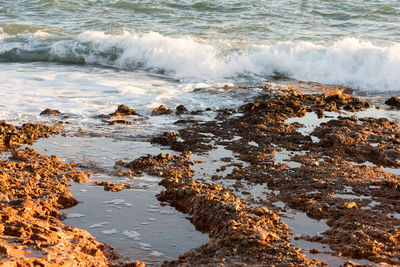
{"x":37,"y":188}
{"x":320,"y":113}
{"x":50,"y":112}
{"x":346,"y":161}
{"x":181,"y":109}
{"x":66,"y":200}
{"x":227,"y":219}
{"x":132,"y":264}
{"x":115,"y":187}
{"x":114,"y":122}
{"x":25,"y":134}
{"x":125,"y":173}
{"x":167,"y":138}
{"x":119,"y":116}
{"x":197,"y":112}
{"x":350,"y":205}
{"x":123,"y":110}
{"x":170,"y":139}
{"x":393,"y":102}
{"x":344,"y":101}
{"x":161,"y":110}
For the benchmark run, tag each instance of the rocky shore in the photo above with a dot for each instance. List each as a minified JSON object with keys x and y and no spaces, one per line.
{"x":312,"y":153}
{"x":339,"y":175}
{"x":34,"y":188}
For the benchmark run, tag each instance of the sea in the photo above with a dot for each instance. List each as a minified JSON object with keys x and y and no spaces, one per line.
{"x":86,"y":57}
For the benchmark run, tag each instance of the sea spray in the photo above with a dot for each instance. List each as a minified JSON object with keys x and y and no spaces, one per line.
{"x":349,"y":61}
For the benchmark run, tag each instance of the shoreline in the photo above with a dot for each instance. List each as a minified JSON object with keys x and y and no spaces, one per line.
{"x":321,"y":173}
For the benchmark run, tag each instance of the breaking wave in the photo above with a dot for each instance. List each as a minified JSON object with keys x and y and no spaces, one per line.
{"x":349,"y":61}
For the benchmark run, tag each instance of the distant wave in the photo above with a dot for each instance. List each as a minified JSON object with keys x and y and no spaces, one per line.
{"x":350,"y":62}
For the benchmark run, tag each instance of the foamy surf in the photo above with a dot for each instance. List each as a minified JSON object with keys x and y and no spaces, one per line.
{"x":350,"y":62}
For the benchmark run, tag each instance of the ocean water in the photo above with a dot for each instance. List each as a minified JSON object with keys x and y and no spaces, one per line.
{"x":85,"y":57}
{"x":186,"y":43}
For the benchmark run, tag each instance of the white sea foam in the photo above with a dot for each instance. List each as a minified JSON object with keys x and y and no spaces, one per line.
{"x":2,"y":33}
{"x":157,"y":254}
{"x":131,"y":234}
{"x":110,"y":232}
{"x":99,"y":225}
{"x":349,"y":61}
{"x":145,"y":245}
{"x":75,"y":215}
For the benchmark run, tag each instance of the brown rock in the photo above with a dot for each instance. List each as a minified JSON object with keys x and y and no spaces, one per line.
{"x":50,"y":112}
{"x":25,"y":134}
{"x":393,"y":102}
{"x":161,"y":110}
{"x":115,"y":122}
{"x":33,"y":234}
{"x":124,"y":110}
{"x":115,"y":187}
{"x":66,"y":200}
{"x":180,"y":109}
{"x":350,"y":205}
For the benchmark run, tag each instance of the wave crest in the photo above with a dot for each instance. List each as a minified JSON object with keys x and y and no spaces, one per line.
{"x":350,"y":62}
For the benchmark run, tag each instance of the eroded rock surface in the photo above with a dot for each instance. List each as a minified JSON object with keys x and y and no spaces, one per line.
{"x":336,"y":172}
{"x":115,"y":187}
{"x":239,"y":234}
{"x":119,"y":116}
{"x":25,"y":134}
{"x":33,"y":191}
{"x":161,"y":110}
{"x":394,"y":102}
